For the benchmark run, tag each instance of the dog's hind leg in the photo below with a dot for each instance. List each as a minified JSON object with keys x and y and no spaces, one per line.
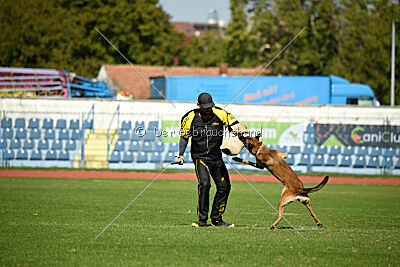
{"x":307,"y":204}
{"x":287,"y":197}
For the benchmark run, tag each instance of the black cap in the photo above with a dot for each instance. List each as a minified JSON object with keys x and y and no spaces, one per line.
{"x":205,"y":100}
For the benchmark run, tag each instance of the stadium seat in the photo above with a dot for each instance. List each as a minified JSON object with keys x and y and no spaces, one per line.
{"x":159,"y":147}
{"x":136,"y":136}
{"x":115,"y":157}
{"x":15,"y":144}
{"x":389,"y":152}
{"x":397,"y":166}
{"x":63,"y":155}
{"x":348,"y":150}
{"x":321,"y":150}
{"x":308,"y":149}
{"x":147,"y":147}
{"x":318,"y":160}
{"x":126,"y":125}
{"x":88,"y":124}
{"x":49,"y":134}
{"x":376,"y":151}
{"x":43,"y":144}
{"x":6,"y":123}
{"x":28,"y":144}
{"x":61,"y":124}
{"x":22,"y":154}
{"x":142,"y":157}
{"x":63,"y":134}
{"x":20,"y":123}
{"x":152,"y":125}
{"x":76,"y":134}
{"x":155,"y":157}
{"x":345,"y":162}
{"x":123,"y":135}
{"x":47,"y":124}
{"x":282,"y":149}
{"x":8,"y":133}
{"x":127,"y":157}
{"x":33,"y":123}
{"x":70,"y":145}
{"x":360,"y":162}
{"x":9,"y":155}
{"x":331,"y":161}
{"x":173,"y":147}
{"x":119,"y":146}
{"x":35,"y":134}
{"x":335,"y":150}
{"x":51,"y":155}
{"x":310,"y":128}
{"x":373,"y":162}
{"x":387,"y":162}
{"x":309,"y":138}
{"x":188,"y":157}
{"x":294,"y":150}
{"x":57,"y":145}
{"x":74,"y":124}
{"x":149,"y":136}
{"x":21,"y":133}
{"x":133,"y":146}
{"x":169,"y":157}
{"x":362,"y":151}
{"x":36,"y":155}
{"x":3,"y":143}
{"x":304,"y":160}
{"x":139,"y":125}
{"x":290,"y":159}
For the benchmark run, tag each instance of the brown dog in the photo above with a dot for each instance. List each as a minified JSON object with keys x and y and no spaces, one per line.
{"x":273,"y":161}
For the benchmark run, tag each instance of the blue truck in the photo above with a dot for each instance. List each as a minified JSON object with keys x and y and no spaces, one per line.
{"x":299,"y":90}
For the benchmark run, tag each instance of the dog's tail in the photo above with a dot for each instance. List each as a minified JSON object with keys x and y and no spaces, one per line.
{"x":318,"y":187}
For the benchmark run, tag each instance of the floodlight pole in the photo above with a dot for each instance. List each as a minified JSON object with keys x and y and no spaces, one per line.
{"x":392,"y":99}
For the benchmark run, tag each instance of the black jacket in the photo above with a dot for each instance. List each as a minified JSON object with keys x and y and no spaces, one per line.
{"x":206,"y":136}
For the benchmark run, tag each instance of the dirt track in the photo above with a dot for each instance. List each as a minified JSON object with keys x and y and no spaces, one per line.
{"x":185,"y":176}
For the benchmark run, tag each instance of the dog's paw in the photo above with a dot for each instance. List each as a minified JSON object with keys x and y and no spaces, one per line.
{"x":319,"y":225}
{"x":272,"y":227}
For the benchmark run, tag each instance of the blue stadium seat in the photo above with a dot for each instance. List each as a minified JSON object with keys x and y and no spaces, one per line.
{"x":57,"y":145}
{"x":141,"y":157}
{"x":6,"y":123}
{"x":127,"y":157}
{"x":134,"y":146}
{"x":310,"y":128}
{"x":147,"y":147}
{"x":389,"y":152}
{"x":48,"y":124}
{"x":373,"y":162}
{"x":136,"y":137}
{"x":345,"y":162}
{"x":318,"y":160}
{"x":322,"y":150}
{"x":61,"y":124}
{"x":387,"y":162}
{"x":51,"y":155}
{"x":36,"y":155}
{"x":331,"y":161}
{"x":33,"y":123}
{"x":376,"y":151}
{"x":119,"y":146}
{"x":149,"y":136}
{"x":70,"y":145}
{"x":29,"y":144}
{"x":22,"y":154}
{"x":74,"y":124}
{"x":152,"y":125}
{"x":397,"y":166}
{"x":362,"y":151}
{"x":9,"y":155}
{"x":188,"y":157}
{"x":139,"y":125}
{"x":170,"y":157}
{"x":123,"y":135}
{"x":282,"y":149}
{"x":43,"y":144}
{"x":15,"y":144}
{"x":308,"y":149}
{"x":76,"y":134}
{"x":8,"y":133}
{"x":159,"y":146}
{"x":35,"y":134}
{"x":88,"y":124}
{"x":155,"y":157}
{"x":63,"y":155}
{"x":304,"y":160}
{"x":290,"y":159}
{"x":126,"y":125}
{"x":3,"y":143}
{"x":21,"y":133}
{"x":294,"y":150}
{"x":49,"y":134}
{"x":309,"y":138}
{"x":20,"y":123}
{"x":335,"y":150}
{"x":348,"y":150}
{"x":63,"y":134}
{"x":173,"y":147}
{"x":115,"y":157}
{"x":360,"y":162}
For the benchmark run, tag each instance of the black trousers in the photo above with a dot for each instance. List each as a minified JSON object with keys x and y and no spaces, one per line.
{"x":217,"y":170}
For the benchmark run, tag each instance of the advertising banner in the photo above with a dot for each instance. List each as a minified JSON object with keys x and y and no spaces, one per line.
{"x":357,"y":135}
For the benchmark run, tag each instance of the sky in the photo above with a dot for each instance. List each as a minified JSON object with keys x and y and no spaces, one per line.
{"x":195,"y":10}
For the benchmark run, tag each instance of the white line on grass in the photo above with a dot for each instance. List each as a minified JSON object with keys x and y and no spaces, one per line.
{"x":105,"y":228}
{"x":266,"y":200}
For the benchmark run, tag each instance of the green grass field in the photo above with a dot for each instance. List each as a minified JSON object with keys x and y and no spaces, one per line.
{"x":55,"y":221}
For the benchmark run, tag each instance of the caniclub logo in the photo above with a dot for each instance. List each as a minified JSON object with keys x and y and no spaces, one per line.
{"x":355,"y":136}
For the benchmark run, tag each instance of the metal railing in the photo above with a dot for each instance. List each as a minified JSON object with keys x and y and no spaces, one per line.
{"x":116,"y":113}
